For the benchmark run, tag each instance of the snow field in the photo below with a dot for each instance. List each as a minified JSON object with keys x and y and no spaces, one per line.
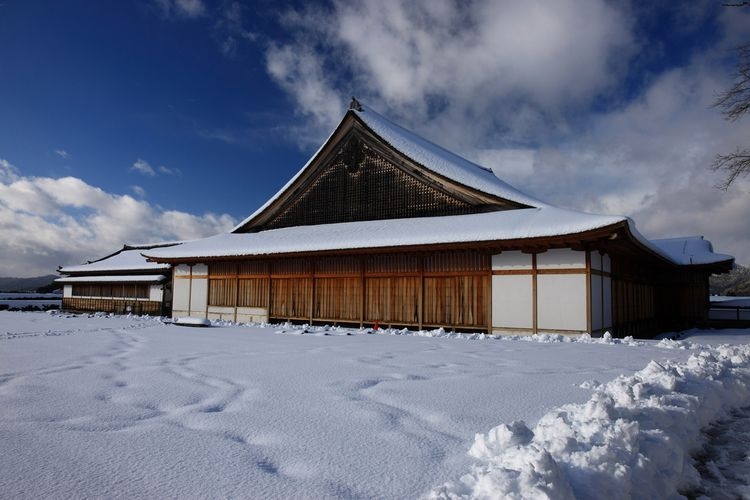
{"x":129,"y":407}
{"x":633,"y":439}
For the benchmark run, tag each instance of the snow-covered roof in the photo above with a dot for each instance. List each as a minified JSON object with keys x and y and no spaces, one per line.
{"x":129,"y":278}
{"x":690,"y":250}
{"x":547,"y":221}
{"x":125,"y":260}
{"x":429,"y":155}
{"x":492,"y":226}
{"x":441,"y":161}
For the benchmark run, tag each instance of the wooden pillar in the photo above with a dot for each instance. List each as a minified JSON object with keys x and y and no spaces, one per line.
{"x":488,"y":295}
{"x":236,"y":290}
{"x":268,"y":304}
{"x":420,"y":298}
{"x":534,"y":327}
{"x":312,"y":290}
{"x":362,"y":292}
{"x":190,"y":291}
{"x":588,"y":292}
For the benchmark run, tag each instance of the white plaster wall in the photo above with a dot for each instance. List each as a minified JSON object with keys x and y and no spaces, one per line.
{"x":67,"y":290}
{"x":512,"y":305}
{"x":596,"y":302}
{"x":561,"y":258}
{"x":156,"y":292}
{"x":180,"y":297}
{"x":198,"y":296}
{"x":200,"y":270}
{"x":511,"y":260}
{"x":561,"y":302}
{"x":607,"y":302}
{"x":182,"y":270}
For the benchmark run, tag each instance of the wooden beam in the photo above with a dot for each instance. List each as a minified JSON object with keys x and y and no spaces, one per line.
{"x":588,"y":292}
{"x":534,"y":321}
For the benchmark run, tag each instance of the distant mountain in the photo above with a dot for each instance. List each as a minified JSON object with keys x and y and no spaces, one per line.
{"x":26,"y":284}
{"x":734,"y":283}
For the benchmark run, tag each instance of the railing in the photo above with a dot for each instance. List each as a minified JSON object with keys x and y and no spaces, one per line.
{"x":728,"y":313}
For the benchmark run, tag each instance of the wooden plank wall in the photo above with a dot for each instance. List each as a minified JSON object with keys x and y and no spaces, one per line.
{"x":449,"y":289}
{"x":646,"y":300}
{"x":117,"y":306}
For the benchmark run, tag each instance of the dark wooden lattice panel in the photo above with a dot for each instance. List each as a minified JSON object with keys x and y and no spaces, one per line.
{"x":360,"y":184}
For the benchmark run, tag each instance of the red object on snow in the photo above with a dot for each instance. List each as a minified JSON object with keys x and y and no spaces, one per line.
{"x":376,"y":326}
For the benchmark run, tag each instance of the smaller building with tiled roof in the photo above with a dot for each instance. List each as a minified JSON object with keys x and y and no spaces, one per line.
{"x":122,"y":282}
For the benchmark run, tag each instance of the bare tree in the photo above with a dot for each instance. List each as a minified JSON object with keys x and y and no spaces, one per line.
{"x":734,"y":103}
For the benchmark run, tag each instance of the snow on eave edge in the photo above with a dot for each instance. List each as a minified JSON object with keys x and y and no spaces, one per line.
{"x":612,"y":223}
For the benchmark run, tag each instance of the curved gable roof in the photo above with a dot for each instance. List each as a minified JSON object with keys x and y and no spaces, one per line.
{"x":420,"y":151}
{"x":441,"y":161}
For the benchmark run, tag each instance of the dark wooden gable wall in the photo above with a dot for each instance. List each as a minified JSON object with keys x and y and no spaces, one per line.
{"x":363,"y":179}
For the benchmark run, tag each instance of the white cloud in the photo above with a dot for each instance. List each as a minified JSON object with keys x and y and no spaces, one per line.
{"x":300,"y":72}
{"x":46,"y":222}
{"x":442,"y":64}
{"x":62,"y":154}
{"x":535,"y":90}
{"x":181,"y":8}
{"x":229,"y":29}
{"x":139,"y":191}
{"x":143,"y":167}
{"x":170,"y":171}
{"x":650,"y":161}
{"x":8,"y":173}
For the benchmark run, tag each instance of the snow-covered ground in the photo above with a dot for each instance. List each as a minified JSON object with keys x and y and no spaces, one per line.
{"x":132,"y":407}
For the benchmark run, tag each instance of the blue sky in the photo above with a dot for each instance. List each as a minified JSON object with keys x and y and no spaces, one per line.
{"x":170,"y":119}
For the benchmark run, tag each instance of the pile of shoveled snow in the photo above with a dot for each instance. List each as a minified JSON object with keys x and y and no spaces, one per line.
{"x":633,"y":438}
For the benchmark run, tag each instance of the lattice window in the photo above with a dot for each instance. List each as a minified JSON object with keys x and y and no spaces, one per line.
{"x":360,"y":184}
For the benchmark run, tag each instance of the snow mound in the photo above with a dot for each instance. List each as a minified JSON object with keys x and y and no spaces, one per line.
{"x":633,"y":438}
{"x":186,"y":321}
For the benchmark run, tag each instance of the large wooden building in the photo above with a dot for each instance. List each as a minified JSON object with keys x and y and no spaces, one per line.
{"x":122,"y":282}
{"x":382,"y":226}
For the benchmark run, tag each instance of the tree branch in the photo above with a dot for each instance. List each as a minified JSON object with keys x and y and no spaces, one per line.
{"x":735,"y":102}
{"x":735,"y":165}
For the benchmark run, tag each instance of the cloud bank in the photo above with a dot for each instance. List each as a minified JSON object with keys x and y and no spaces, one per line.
{"x":47,"y":222}
{"x":541,"y":92}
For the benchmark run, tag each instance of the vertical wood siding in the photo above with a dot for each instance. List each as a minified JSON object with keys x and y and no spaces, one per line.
{"x":450,"y":289}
